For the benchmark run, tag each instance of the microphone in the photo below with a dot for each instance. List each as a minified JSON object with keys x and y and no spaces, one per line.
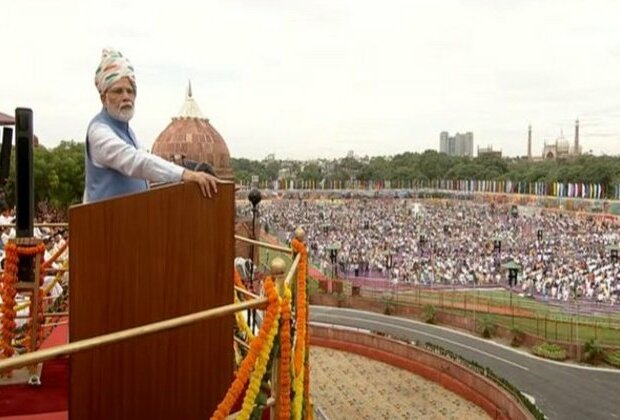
{"x":193,"y":165}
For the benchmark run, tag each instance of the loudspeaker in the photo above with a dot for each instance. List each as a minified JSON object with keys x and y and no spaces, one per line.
{"x":24,"y":184}
{"x":24,"y":187}
{"x":5,"y":154}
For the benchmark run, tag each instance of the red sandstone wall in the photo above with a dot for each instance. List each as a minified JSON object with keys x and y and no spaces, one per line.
{"x":484,"y":393}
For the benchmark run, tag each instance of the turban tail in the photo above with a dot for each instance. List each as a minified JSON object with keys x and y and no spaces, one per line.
{"x":113,"y":67}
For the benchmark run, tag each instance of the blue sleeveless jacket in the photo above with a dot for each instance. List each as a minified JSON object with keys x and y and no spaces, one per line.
{"x":103,"y":183}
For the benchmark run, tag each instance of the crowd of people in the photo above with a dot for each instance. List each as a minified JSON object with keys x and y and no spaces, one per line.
{"x":451,"y":242}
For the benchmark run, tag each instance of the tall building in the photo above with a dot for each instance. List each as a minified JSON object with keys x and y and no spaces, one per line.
{"x":443,"y":142}
{"x":459,"y":145}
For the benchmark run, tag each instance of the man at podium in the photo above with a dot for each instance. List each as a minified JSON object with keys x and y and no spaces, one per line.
{"x":115,"y":163}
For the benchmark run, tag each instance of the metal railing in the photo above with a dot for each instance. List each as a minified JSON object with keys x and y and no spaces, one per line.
{"x":78,"y":346}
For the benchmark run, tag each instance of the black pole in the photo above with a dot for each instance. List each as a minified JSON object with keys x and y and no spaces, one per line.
{"x":254,"y":197}
{"x":25,"y":181}
{"x":336,"y":264}
{"x":24,"y":186}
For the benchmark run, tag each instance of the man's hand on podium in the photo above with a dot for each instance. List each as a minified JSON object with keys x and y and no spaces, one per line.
{"x":207,"y":182}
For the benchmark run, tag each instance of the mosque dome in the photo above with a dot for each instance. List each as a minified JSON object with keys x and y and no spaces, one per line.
{"x":190,"y":136}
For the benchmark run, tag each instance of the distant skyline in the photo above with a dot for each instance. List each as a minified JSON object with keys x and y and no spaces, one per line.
{"x":316,"y":79}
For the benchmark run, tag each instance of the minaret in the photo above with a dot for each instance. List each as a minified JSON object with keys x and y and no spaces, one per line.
{"x":577,"y":151}
{"x":529,"y":142}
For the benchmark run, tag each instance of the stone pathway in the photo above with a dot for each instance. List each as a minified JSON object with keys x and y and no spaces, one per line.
{"x":348,"y":386}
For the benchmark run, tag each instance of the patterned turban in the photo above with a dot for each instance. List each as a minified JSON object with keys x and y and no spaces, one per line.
{"x":113,"y":67}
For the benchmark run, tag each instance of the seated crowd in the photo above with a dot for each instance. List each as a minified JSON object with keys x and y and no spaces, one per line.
{"x":455,"y":243}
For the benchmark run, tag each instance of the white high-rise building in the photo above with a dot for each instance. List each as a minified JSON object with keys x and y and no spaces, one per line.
{"x":459,"y":145}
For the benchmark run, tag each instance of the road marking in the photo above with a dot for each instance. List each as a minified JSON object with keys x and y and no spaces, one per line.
{"x":437,"y":337}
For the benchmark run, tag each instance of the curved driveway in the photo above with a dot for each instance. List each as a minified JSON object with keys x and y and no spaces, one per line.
{"x":562,"y":391}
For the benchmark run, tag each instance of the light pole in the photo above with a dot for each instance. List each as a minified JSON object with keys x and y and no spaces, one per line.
{"x":254,"y":197}
{"x":613,"y":253}
{"x":421,"y":246}
{"x":389,"y":263}
{"x":513,"y":273}
{"x":333,"y":257}
{"x":497,"y":250}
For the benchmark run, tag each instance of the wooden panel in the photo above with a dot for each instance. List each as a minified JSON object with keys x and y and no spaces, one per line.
{"x":145,"y":258}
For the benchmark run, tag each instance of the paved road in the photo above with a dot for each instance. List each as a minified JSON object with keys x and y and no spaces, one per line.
{"x":561,"y":391}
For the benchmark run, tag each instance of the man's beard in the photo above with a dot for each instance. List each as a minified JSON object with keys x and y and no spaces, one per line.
{"x":122,"y":114}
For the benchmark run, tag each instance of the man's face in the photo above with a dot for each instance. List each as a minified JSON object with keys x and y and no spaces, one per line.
{"x":119,"y":100}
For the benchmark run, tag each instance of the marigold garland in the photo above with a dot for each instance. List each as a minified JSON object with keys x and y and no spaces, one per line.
{"x":243,"y":325}
{"x":39,"y":249}
{"x":8,"y":293}
{"x":284,"y":397}
{"x":241,"y":322}
{"x":259,"y":371}
{"x":301,"y":323}
{"x":9,"y":279}
{"x":243,"y":374}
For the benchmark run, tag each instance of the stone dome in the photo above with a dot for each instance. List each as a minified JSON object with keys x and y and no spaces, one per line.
{"x":190,"y":136}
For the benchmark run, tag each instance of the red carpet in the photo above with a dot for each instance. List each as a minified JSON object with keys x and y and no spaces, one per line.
{"x":49,"y":401}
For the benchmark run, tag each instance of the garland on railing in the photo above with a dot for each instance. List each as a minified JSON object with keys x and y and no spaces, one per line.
{"x":243,"y":325}
{"x":8,"y":292}
{"x":301,"y":369}
{"x":9,"y":279}
{"x":34,"y":251}
{"x":261,"y":365}
{"x":293,"y":363}
{"x":284,"y":398}
{"x":241,"y":322}
{"x":243,"y":373}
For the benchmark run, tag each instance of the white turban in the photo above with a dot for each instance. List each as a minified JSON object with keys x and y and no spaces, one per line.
{"x":113,"y":67}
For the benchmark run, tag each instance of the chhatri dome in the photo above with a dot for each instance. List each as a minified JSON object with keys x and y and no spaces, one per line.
{"x":190,"y":136}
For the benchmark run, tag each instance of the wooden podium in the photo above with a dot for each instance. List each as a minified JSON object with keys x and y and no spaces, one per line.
{"x":144,"y":258}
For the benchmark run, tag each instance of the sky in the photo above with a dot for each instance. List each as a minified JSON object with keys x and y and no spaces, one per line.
{"x":316,"y":79}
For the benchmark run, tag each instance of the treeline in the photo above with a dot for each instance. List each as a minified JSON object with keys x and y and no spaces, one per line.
{"x":432,"y":165}
{"x":58,"y":176}
{"x":59,"y":171}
